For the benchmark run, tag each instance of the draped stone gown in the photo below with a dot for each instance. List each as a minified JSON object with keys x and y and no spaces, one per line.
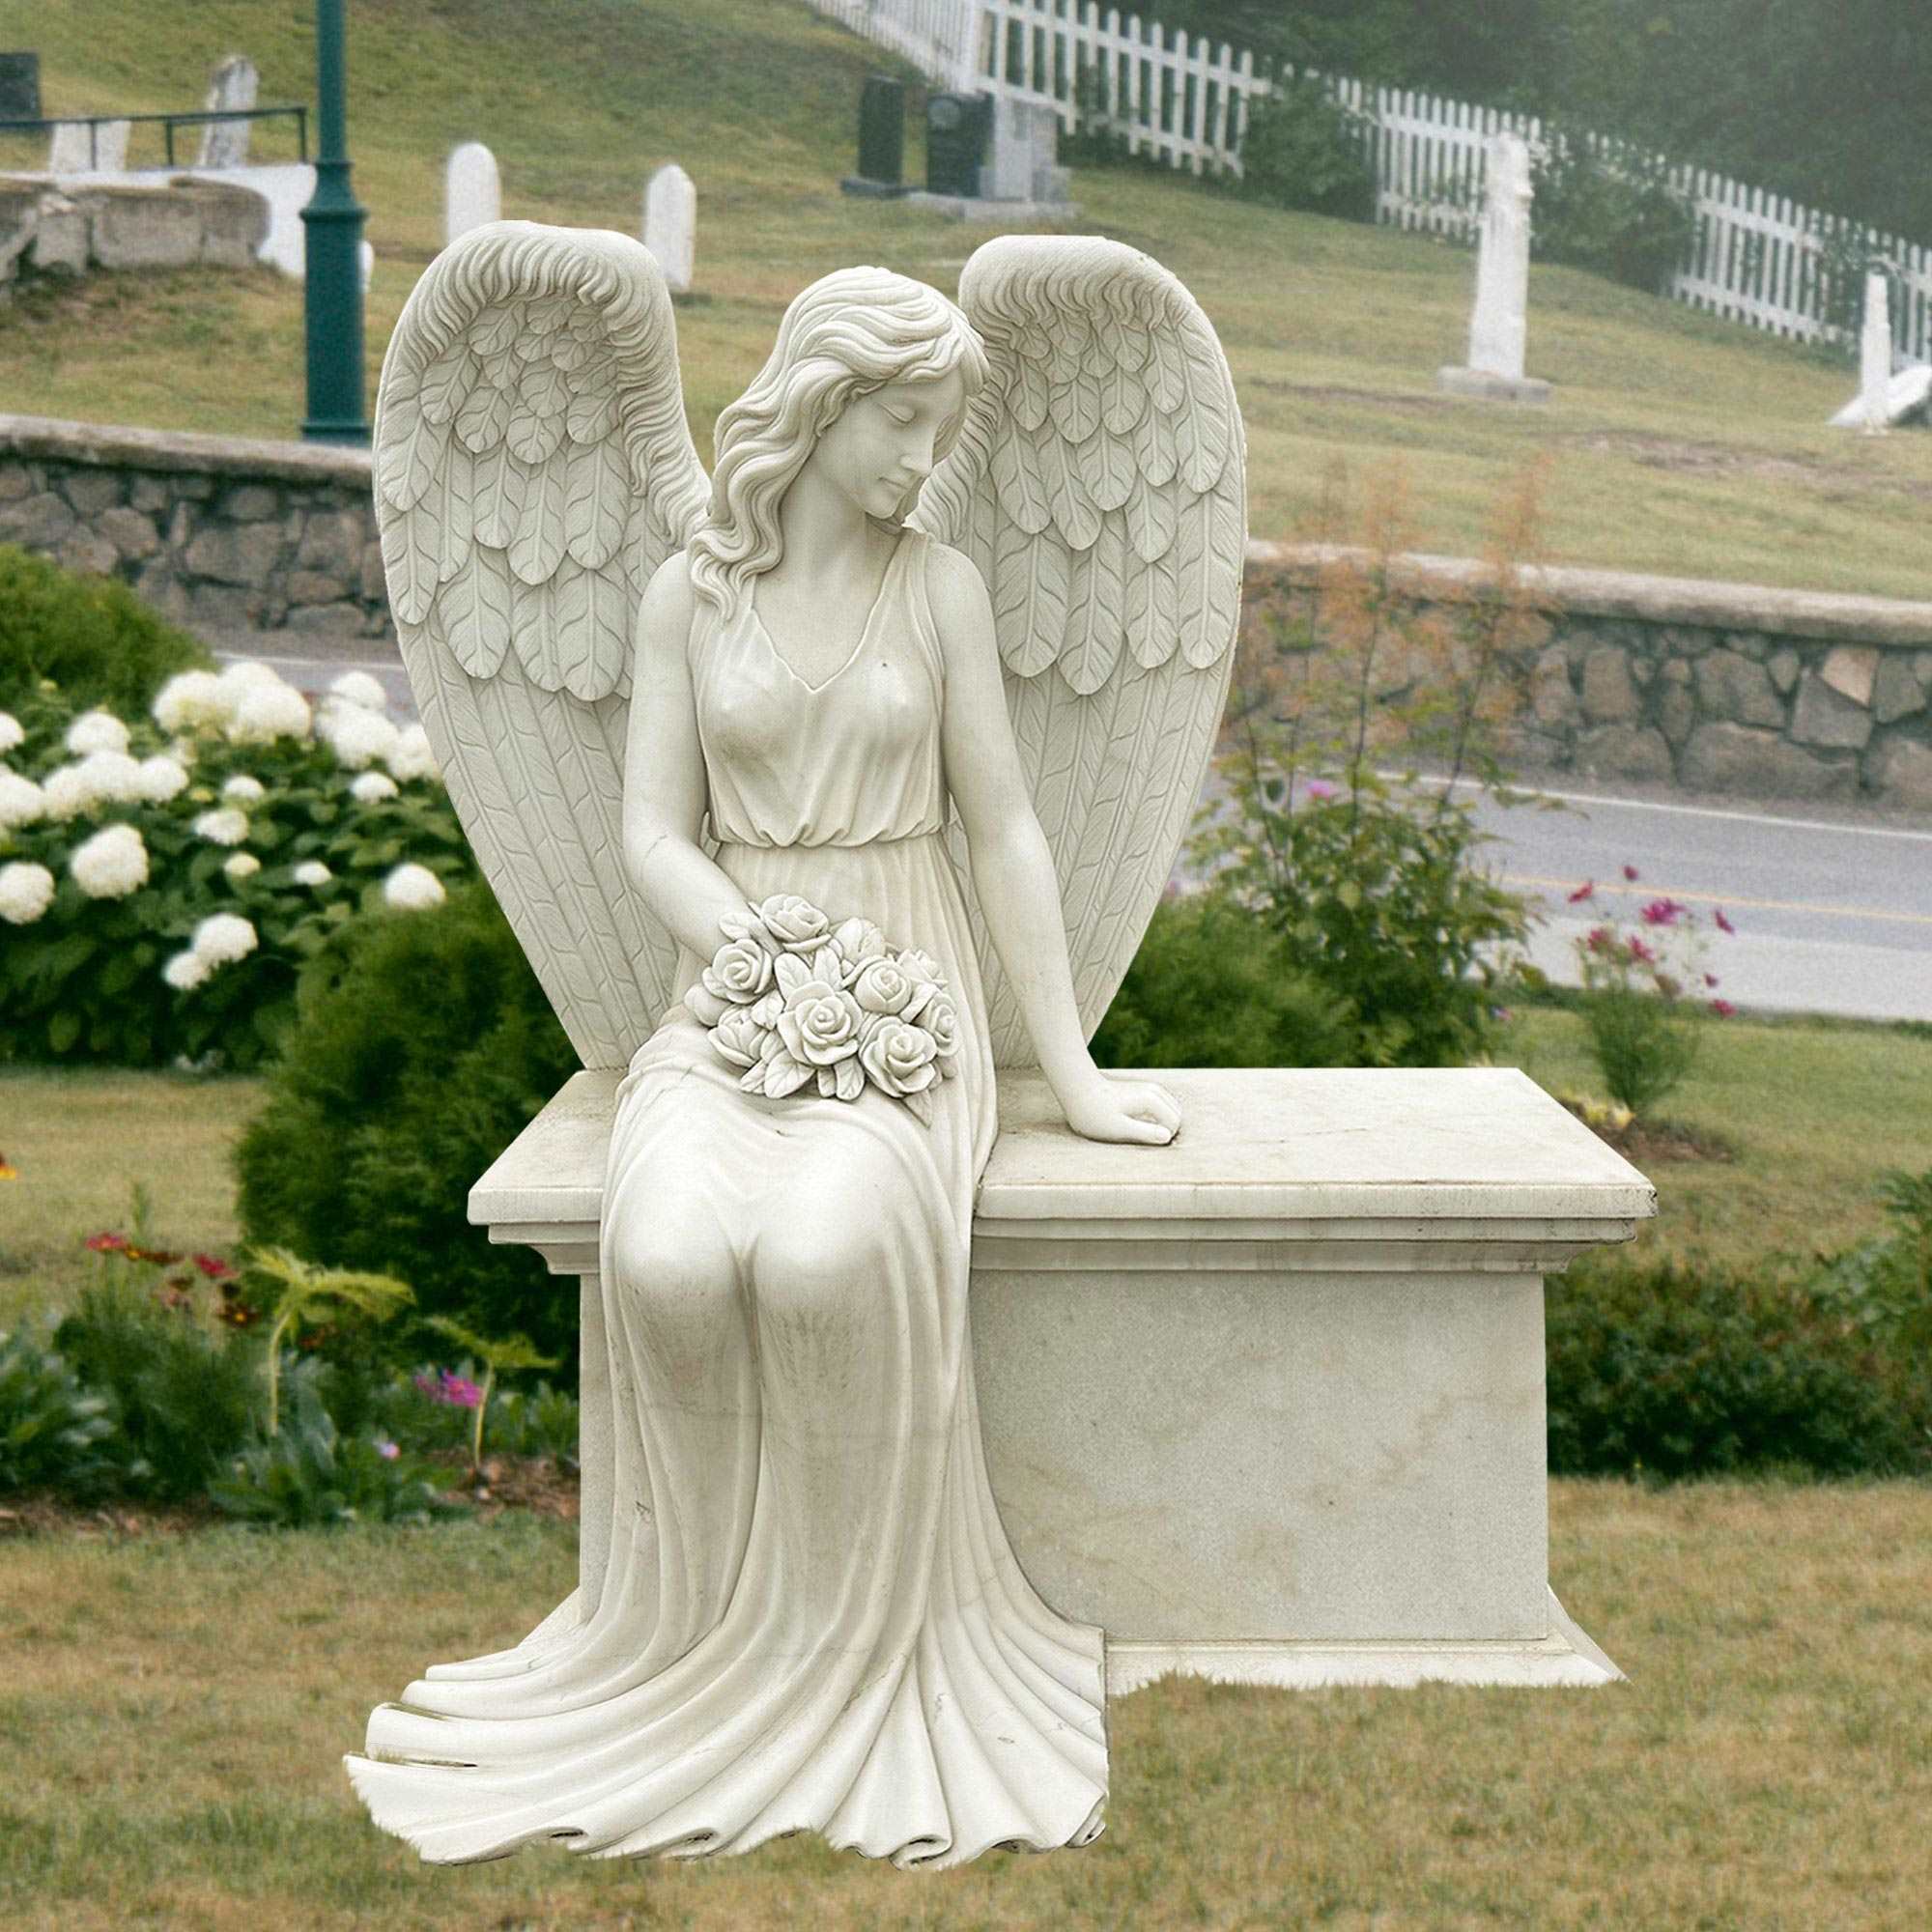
{"x":811,"y":1618}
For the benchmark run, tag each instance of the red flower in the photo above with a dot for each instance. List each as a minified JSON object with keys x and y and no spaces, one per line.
{"x":161,"y":1257}
{"x":1723,"y":925}
{"x":1710,"y":978}
{"x":237,"y":1314}
{"x":107,"y":1244}
{"x":1660,"y":912}
{"x":1630,"y":872}
{"x":1722,"y":1009}
{"x":1599,"y":938}
{"x":213,"y":1267}
{"x":1639,"y":950}
{"x":8,"y":1171}
{"x":1583,"y":891}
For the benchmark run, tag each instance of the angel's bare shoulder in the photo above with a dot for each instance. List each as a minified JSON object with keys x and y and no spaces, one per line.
{"x":665,"y":609}
{"x":956,"y":592}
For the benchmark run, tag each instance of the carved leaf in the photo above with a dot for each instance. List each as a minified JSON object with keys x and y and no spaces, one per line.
{"x":1075,"y":512}
{"x":1108,"y":465}
{"x":474,"y":609}
{"x":1096,"y":619}
{"x":1021,"y":493}
{"x":497,"y":496}
{"x":1029,"y":595}
{"x":596,"y":501}
{"x":484,"y":416}
{"x":538,"y":542}
{"x":1153,"y":613}
{"x":1124,"y":397}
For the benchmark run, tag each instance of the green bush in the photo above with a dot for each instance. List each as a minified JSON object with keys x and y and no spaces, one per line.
{"x":1212,"y":986}
{"x":423,"y":1046}
{"x":1615,"y":214}
{"x":52,"y":1431}
{"x":90,"y":635}
{"x":183,"y":1397}
{"x":1680,"y":1371}
{"x":1302,"y":149}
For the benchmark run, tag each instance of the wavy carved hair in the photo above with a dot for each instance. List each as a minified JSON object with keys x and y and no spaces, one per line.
{"x":848,"y":333}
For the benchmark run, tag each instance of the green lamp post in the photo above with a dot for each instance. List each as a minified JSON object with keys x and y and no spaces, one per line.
{"x":333,"y":246}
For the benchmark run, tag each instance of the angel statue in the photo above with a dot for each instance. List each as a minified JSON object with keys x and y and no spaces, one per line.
{"x":814,"y":795}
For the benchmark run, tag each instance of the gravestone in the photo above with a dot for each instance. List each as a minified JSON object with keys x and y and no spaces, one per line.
{"x":881,"y":139}
{"x":1874,"y":408}
{"x":78,"y":149}
{"x":1025,"y":139}
{"x":670,"y":224}
{"x":472,"y":192}
{"x":1498,"y":326}
{"x":19,"y":87}
{"x":233,"y":87}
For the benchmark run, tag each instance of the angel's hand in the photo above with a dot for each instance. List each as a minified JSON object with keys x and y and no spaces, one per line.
{"x":1104,"y":1108}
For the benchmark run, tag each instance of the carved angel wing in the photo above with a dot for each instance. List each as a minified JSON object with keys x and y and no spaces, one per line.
{"x":1098,"y":484}
{"x":532,"y":468}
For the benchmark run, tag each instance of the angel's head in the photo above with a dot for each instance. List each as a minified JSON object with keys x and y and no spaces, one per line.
{"x":852,"y":335}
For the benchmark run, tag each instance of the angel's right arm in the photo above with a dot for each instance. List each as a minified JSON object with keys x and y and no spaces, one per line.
{"x":664,"y":774}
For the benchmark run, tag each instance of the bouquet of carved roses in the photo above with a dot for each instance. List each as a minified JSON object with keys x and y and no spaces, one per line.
{"x":794,"y":1000}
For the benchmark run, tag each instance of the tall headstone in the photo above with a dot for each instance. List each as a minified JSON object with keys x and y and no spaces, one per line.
{"x":77,"y":149}
{"x":233,"y":87}
{"x":1498,"y":326}
{"x":19,"y":87}
{"x":1025,"y":139}
{"x":881,"y":139}
{"x":472,"y":193}
{"x":1875,"y":353}
{"x":670,"y":224}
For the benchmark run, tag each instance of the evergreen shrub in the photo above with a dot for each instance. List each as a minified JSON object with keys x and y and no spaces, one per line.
{"x":90,"y":635}
{"x":422,"y":1046}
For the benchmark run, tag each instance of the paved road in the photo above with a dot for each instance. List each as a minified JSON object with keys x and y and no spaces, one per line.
{"x":1833,"y":905}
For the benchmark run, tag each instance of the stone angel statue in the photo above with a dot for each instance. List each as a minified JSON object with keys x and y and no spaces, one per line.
{"x":899,"y":718}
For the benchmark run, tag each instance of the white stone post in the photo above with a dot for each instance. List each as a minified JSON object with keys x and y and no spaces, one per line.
{"x":1875,"y":355}
{"x":473,"y":190}
{"x":1498,"y":326}
{"x":233,"y":87}
{"x":670,"y":224}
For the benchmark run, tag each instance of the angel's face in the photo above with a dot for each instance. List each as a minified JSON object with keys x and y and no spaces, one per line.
{"x":881,"y":448}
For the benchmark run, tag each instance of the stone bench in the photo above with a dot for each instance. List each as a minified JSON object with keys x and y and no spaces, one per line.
{"x":1266,"y":1405}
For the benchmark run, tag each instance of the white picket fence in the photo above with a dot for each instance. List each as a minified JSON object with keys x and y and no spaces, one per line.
{"x":1754,"y":258}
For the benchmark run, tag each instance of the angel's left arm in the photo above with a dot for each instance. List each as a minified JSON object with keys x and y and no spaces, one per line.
{"x":1013,"y":866}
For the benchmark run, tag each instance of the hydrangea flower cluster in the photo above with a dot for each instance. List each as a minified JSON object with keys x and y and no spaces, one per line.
{"x":793,"y":1000}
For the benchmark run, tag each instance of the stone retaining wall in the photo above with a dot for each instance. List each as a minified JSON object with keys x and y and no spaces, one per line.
{"x":174,"y":224}
{"x":1771,"y":694}
{"x":221,"y":534}
{"x":1774,"y":694}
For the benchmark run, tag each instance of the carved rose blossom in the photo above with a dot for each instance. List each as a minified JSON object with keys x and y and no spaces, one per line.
{"x":794,"y":1001}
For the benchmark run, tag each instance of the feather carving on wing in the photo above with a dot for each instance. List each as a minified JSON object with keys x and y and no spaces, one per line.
{"x":532,"y":468}
{"x":1098,"y":484}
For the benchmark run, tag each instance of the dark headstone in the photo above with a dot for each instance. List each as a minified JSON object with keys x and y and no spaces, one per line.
{"x":19,"y":87}
{"x":957,"y":126}
{"x":882,"y":129}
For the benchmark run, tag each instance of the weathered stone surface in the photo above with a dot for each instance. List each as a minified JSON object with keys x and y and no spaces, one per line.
{"x":1731,"y":686}
{"x":1785,"y":665}
{"x":1921,"y":665}
{"x":233,"y":86}
{"x":1552,"y":701}
{"x":1849,"y":670}
{"x":88,"y":555}
{"x":233,"y":221}
{"x":1899,"y":770}
{"x":63,"y":239}
{"x":472,"y":192}
{"x":1744,"y":758}
{"x":239,"y":553}
{"x":19,"y":216}
{"x":182,"y":526}
{"x":251,"y":503}
{"x":158,"y":588}
{"x":149,"y":492}
{"x":342,"y":620}
{"x":1896,"y":692}
{"x":131,"y":535}
{"x":92,"y":491}
{"x":1676,"y":713}
{"x":374,"y":589}
{"x":1822,"y":716}
{"x":333,"y":542}
{"x":16,"y":480}
{"x":315,"y":587}
{"x":1624,"y":751}
{"x":1610,"y":693}
{"x":218,"y":608}
{"x":41,"y":522}
{"x":141,"y":227}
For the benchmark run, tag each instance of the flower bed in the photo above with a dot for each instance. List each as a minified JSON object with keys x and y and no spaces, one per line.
{"x":163,"y":880}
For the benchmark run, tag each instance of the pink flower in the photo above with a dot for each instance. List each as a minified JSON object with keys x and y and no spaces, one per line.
{"x":446,"y":1386}
{"x":1320,"y":789}
{"x":1630,"y":872}
{"x":388,"y":1450}
{"x":1723,"y":925}
{"x":1582,"y":891}
{"x":213,"y":1267}
{"x":1660,"y":912}
{"x":1639,"y":950}
{"x":1722,"y":1009}
{"x":1599,"y":939}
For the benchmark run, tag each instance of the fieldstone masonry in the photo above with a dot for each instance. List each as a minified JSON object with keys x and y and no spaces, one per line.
{"x":1774,"y":694}
{"x":224,"y":536}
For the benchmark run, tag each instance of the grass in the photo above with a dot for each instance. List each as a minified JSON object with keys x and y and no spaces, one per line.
{"x":1681,"y":444}
{"x":174,"y":1710}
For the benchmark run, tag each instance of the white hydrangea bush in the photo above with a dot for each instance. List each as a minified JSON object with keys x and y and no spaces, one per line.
{"x":163,"y":877}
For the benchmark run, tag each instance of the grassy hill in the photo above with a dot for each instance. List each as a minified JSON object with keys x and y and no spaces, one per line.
{"x":1676,"y":443}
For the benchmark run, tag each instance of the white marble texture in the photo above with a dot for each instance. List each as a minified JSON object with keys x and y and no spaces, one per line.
{"x":1499,"y":327}
{"x":670,"y":226}
{"x":78,"y":149}
{"x":234,"y":87}
{"x":472,"y":192}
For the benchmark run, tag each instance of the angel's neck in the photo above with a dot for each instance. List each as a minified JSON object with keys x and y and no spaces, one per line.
{"x":825,"y":535}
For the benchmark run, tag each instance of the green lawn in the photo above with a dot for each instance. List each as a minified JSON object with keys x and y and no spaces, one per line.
{"x":174,"y":1710}
{"x":1679,"y":444}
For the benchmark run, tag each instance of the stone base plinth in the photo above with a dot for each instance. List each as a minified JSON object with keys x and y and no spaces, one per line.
{"x":1266,"y":1404}
{"x":972,"y":208}
{"x":1486,"y":387}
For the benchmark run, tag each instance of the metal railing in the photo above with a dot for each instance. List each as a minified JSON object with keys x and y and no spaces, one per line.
{"x":168,"y":123}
